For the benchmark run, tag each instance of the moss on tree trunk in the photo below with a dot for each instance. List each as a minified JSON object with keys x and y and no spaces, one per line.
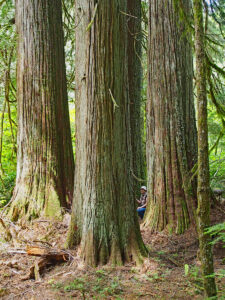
{"x":45,"y":164}
{"x":203,"y":211}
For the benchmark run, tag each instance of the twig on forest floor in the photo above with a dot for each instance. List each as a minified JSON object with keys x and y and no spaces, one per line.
{"x":21,"y":294}
{"x":16,"y":272}
{"x":61,"y":273}
{"x":17,"y":252}
{"x":173,"y":261}
{"x":71,"y":257}
{"x":43,"y":242}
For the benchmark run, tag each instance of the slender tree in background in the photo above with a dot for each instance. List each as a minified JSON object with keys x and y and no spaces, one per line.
{"x":171,"y":128}
{"x":45,"y":160}
{"x":104,"y":220}
{"x":134,"y":52}
{"x":203,"y":211}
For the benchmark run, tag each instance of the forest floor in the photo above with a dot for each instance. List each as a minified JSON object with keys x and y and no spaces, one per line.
{"x":172,"y":270}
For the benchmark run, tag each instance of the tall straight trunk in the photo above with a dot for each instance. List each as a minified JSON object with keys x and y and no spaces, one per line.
{"x":45,"y":164}
{"x":104,"y":220}
{"x":203,"y":212}
{"x":134,"y":52}
{"x":171,"y":129}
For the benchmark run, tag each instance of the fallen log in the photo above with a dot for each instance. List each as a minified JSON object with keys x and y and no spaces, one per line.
{"x":36,"y":250}
{"x":48,"y":257}
{"x":46,"y":252}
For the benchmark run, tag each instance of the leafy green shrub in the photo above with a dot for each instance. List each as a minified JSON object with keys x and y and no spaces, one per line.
{"x":217,"y":232}
{"x":6,"y":188}
{"x":217,"y":146}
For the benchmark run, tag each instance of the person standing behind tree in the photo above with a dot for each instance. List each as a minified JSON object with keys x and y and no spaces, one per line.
{"x":142,"y":202}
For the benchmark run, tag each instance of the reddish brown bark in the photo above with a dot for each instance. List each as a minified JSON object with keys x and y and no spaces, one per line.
{"x":104,"y":221}
{"x":45,"y":160}
{"x":171,"y":128}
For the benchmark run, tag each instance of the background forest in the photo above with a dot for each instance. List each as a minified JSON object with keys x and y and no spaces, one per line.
{"x":166,"y":163}
{"x":8,"y":107}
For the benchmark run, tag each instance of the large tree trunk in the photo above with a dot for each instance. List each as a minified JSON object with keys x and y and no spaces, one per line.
{"x":203,"y":212}
{"x":135,"y":84}
{"x":104,"y":220}
{"x":45,"y":164}
{"x":171,"y":128}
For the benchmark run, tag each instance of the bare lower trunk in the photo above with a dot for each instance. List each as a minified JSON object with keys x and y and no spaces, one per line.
{"x":171,"y":128}
{"x":203,"y":212}
{"x":104,"y":220}
{"x":45,"y":161}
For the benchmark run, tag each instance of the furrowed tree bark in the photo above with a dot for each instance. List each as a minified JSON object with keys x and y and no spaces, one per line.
{"x":104,"y":219}
{"x":203,"y":211}
{"x":134,"y":52}
{"x":171,"y":129}
{"x":45,"y":164}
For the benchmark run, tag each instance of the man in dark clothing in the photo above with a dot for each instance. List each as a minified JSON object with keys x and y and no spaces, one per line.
{"x":142,"y":202}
